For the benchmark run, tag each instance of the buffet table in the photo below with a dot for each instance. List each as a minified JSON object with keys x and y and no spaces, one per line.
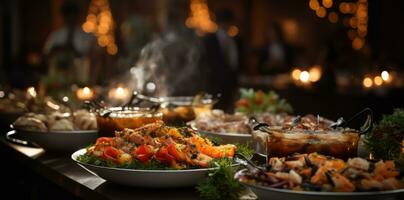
{"x":63,"y":173}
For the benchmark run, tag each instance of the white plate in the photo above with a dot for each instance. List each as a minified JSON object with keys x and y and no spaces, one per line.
{"x":226,"y":138}
{"x":146,"y":178}
{"x":282,"y":194}
{"x":59,"y":140}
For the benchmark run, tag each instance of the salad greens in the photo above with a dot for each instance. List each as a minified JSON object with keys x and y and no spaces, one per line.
{"x":257,"y":102}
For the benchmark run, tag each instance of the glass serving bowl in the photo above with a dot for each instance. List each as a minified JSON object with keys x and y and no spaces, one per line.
{"x":179,"y":110}
{"x":114,"y":119}
{"x":340,"y":144}
{"x":310,"y":134}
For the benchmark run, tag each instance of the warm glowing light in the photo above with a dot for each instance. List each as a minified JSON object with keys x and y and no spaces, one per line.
{"x":321,"y":12}
{"x":385,"y":75}
{"x":314,"y":5}
{"x":344,"y":8}
{"x":327,"y":3}
{"x":315,"y":74}
{"x":119,"y":93}
{"x":2,"y":94}
{"x":333,"y":17}
{"x":353,"y":22}
{"x":85,"y":93}
{"x":199,"y":17}
{"x":367,"y":82}
{"x":112,"y":49}
{"x":232,"y":31}
{"x":296,"y":74}
{"x":357,"y":43}
{"x":31,"y":92}
{"x":99,"y":21}
{"x":378,"y":80}
{"x":304,"y":76}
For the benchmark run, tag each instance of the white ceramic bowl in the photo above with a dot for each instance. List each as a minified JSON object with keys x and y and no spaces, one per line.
{"x":67,"y":141}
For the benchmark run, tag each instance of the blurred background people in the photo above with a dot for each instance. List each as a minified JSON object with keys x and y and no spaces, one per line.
{"x":136,"y":32}
{"x":222,"y":58}
{"x":67,"y":50}
{"x":276,"y":55}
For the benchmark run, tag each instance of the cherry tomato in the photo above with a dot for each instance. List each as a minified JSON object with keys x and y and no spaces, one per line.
{"x":105,"y":140}
{"x":111,"y":153}
{"x":242,"y":103}
{"x":259,"y":97}
{"x":163,"y":156}
{"x":143,"y":153}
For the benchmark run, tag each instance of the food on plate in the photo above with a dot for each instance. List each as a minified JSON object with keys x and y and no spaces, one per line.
{"x":57,"y":121}
{"x":156,"y":146}
{"x":258,"y":102}
{"x":316,"y":172}
{"x":32,"y":122}
{"x":84,"y":120}
{"x":118,"y":118}
{"x":19,"y":101}
{"x":11,"y":106}
{"x":219,"y":122}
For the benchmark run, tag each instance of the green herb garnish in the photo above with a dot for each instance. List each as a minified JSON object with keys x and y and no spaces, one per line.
{"x":220,"y":184}
{"x":386,"y":140}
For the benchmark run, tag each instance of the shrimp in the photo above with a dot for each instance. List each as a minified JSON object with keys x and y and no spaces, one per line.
{"x":385,"y":170}
{"x":292,"y":176}
{"x":369,"y":184}
{"x":341,"y":183}
{"x":320,"y":177}
{"x":202,"y":160}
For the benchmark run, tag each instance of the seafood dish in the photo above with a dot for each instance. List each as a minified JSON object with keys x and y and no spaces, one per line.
{"x":320,"y":173}
{"x":155,"y":146}
{"x":306,"y":134}
{"x":219,"y":122}
{"x":57,"y":121}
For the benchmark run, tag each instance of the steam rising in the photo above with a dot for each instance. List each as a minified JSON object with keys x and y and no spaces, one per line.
{"x":171,"y":62}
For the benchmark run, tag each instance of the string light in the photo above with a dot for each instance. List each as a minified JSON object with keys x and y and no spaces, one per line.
{"x":233,"y":31}
{"x":99,"y":21}
{"x":199,"y":18}
{"x":385,"y":75}
{"x":333,"y":17}
{"x":304,"y":76}
{"x":367,"y":82}
{"x":378,"y":80}
{"x":357,"y":22}
{"x":327,"y":3}
{"x":315,"y":74}
{"x":321,"y":12}
{"x":296,"y":74}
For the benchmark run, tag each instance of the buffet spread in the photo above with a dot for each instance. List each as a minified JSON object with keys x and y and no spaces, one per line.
{"x":150,"y":141}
